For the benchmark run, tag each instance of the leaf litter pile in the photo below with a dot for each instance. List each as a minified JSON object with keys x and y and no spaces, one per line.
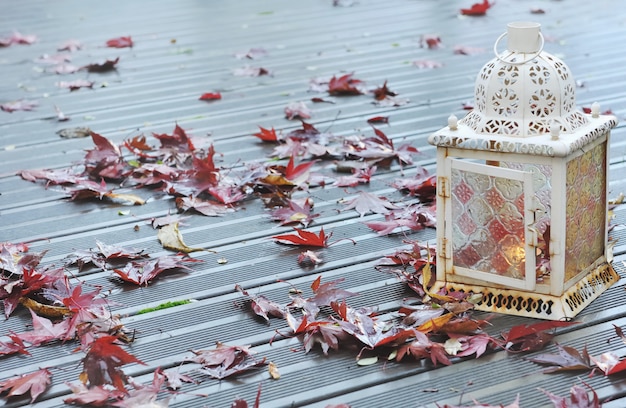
{"x":437,"y":328}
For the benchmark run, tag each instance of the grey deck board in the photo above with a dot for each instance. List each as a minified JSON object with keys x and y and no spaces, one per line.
{"x":157,"y":85}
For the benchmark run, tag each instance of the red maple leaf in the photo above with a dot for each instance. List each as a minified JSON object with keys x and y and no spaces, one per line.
{"x":477,"y":9}
{"x":359,"y":176}
{"x":431,"y":41}
{"x":106,"y":66}
{"x":178,"y":140}
{"x":210,"y":96}
{"x":70,"y":45}
{"x":422,"y":185}
{"x":531,"y":337}
{"x":143,"y":272}
{"x":297,"y":110}
{"x":378,"y":119}
{"x":382,"y":92}
{"x":105,"y":160}
{"x":567,"y":359}
{"x":263,"y":306}
{"x":44,"y":330}
{"x":102,"y":361}
{"x":120,"y":42}
{"x":306,"y":133}
{"x":306,"y":238}
{"x":367,"y":202}
{"x":295,"y":212}
{"x":96,"y":396}
{"x":76,"y":84}
{"x":293,"y":172}
{"x":17,"y":38}
{"x":224,"y":361}
{"x":15,"y":346}
{"x":345,"y":85}
{"x":205,"y":207}
{"x":35,"y":383}
{"x":22,"y":104}
{"x":266,"y":135}
{"x":325,"y":332}
{"x":578,"y":398}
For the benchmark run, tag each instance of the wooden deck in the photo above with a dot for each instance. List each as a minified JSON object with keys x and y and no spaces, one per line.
{"x":186,"y":48}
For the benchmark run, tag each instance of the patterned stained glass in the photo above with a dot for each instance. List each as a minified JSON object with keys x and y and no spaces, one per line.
{"x":488,"y":223}
{"x":542,"y":186}
{"x":585,"y":212}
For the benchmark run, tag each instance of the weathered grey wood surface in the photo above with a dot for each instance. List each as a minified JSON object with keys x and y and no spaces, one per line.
{"x":157,"y":85}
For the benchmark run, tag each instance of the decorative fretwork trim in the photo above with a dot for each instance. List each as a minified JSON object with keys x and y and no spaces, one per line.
{"x":528,"y":304}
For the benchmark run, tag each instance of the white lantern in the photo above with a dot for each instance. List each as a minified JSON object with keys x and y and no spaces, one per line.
{"x":522,"y":188}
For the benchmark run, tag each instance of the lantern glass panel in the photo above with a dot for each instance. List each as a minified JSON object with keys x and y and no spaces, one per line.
{"x":488,"y":223}
{"x":585,"y":217}
{"x":542,"y":186}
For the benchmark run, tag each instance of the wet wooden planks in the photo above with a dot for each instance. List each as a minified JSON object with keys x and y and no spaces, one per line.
{"x":157,"y":85}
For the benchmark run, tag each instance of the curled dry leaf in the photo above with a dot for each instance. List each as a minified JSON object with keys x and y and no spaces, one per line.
{"x":273,"y":370}
{"x":171,"y":238}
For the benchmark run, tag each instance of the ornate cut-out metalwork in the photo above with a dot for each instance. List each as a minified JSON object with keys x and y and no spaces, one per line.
{"x":550,"y":95}
{"x":543,"y":306}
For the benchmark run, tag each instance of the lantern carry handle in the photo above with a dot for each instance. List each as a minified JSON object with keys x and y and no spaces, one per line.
{"x":532,"y":56}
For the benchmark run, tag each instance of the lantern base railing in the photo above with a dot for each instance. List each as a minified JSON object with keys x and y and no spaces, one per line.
{"x":541,"y":306}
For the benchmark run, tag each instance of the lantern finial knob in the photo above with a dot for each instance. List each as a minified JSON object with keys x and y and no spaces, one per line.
{"x":453,"y":122}
{"x":595,"y":110}
{"x":555,"y":130}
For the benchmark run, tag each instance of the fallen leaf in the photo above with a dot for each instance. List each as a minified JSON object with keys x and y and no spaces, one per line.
{"x":367,"y":202}
{"x":251,"y":71}
{"x":578,"y":398}
{"x":567,"y":359}
{"x":34,"y":383}
{"x":309,"y":256}
{"x":345,"y":85}
{"x":305,"y":238}
{"x":17,"y":38}
{"x":477,"y":9}
{"x":273,"y":370}
{"x":610,"y":363}
{"x":102,"y":361}
{"x":431,"y":41}
{"x":531,"y":337}
{"x":106,"y":66}
{"x":210,"y":96}
{"x":171,"y":238}
{"x":74,"y":133}
{"x":427,"y":64}
{"x":263,"y":306}
{"x":70,"y":45}
{"x":143,"y":272}
{"x":22,"y":104}
{"x":378,"y":119}
{"x":467,"y":50}
{"x":120,"y":42}
{"x":266,"y":135}
{"x":253,"y":53}
{"x":297,"y":110}
{"x":225,"y":361}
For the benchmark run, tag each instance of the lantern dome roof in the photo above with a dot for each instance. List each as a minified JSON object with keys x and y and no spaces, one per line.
{"x":524,"y":90}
